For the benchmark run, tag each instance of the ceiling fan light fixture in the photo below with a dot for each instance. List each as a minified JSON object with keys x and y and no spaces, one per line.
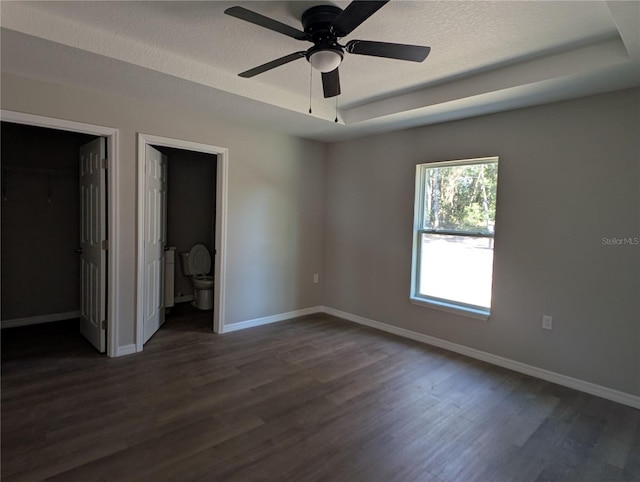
{"x":326,"y":60}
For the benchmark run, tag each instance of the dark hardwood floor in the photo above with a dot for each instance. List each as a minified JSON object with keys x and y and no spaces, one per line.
{"x":304,"y":400}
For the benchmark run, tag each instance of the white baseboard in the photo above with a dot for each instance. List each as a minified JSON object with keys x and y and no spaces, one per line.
{"x":242,"y":325}
{"x":36,"y":320}
{"x":126,"y":350}
{"x":564,"y":380}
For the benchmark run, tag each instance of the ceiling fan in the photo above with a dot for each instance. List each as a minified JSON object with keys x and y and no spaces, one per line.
{"x":323,"y":25}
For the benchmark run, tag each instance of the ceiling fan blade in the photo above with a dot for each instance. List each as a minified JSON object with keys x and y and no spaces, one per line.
{"x":272,"y":65}
{"x":355,"y":13}
{"x":266,"y":22}
{"x":331,"y":83}
{"x":413,"y":53}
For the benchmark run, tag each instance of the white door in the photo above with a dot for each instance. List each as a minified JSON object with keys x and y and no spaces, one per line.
{"x":93,"y":256}
{"x":155,"y":233}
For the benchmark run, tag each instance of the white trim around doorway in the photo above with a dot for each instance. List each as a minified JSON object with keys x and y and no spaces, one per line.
{"x":222,"y":166}
{"x":113,"y":219}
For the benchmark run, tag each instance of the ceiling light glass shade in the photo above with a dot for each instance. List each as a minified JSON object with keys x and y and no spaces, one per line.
{"x":325,"y":60}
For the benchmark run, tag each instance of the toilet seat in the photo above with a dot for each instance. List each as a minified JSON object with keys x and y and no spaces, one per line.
{"x":202,"y":282}
{"x":199,"y":260}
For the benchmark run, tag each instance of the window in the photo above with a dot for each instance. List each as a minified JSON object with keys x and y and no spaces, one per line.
{"x":454,"y":223}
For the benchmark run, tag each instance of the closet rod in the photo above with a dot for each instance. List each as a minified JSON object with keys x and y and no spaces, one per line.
{"x":38,"y":170}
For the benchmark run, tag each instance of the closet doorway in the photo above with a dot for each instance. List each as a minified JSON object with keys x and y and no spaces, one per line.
{"x":55,"y":224}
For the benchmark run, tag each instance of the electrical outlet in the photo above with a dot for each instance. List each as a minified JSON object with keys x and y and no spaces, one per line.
{"x":316,"y":278}
{"x":547,"y":322}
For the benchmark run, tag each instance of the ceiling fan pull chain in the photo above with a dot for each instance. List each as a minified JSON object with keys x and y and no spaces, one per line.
{"x":336,"y":119}
{"x":310,"y":85}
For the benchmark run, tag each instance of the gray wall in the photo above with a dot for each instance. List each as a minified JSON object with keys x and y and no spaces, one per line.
{"x":275,"y":198}
{"x":191,"y":200}
{"x":40,"y":270}
{"x":569,"y":175}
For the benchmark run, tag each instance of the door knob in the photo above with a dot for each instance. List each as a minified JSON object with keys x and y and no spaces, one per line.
{"x":79,"y":250}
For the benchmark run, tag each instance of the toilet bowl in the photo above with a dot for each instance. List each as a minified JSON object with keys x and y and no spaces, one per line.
{"x":203,"y":282}
{"x":197,"y":263}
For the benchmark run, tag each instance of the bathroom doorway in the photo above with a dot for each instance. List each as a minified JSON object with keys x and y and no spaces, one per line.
{"x":56,"y":216}
{"x":191,"y":213}
{"x":181,"y":203}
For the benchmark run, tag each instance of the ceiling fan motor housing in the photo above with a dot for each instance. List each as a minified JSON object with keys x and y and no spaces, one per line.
{"x":316,"y":22}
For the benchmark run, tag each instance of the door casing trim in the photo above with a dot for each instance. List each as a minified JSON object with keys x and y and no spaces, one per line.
{"x":222,"y":167}
{"x":113,"y":218}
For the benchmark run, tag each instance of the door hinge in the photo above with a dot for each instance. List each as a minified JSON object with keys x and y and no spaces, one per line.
{"x":103,"y":324}
{"x":104,"y":163}
{"x":105,"y":244}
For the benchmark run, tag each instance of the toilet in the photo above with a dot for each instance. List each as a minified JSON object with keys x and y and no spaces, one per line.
{"x":197,"y":264}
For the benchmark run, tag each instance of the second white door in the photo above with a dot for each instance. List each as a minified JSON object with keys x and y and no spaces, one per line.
{"x":155,"y":234}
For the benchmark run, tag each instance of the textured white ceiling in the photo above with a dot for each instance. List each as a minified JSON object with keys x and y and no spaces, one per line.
{"x":478,"y":49}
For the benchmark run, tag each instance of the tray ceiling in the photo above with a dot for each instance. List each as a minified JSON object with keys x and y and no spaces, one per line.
{"x":485,"y":57}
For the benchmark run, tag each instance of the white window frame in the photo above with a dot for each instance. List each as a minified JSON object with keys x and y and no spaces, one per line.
{"x":415,"y":297}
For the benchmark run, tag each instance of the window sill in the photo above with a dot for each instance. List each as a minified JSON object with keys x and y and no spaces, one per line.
{"x":477,"y":314}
